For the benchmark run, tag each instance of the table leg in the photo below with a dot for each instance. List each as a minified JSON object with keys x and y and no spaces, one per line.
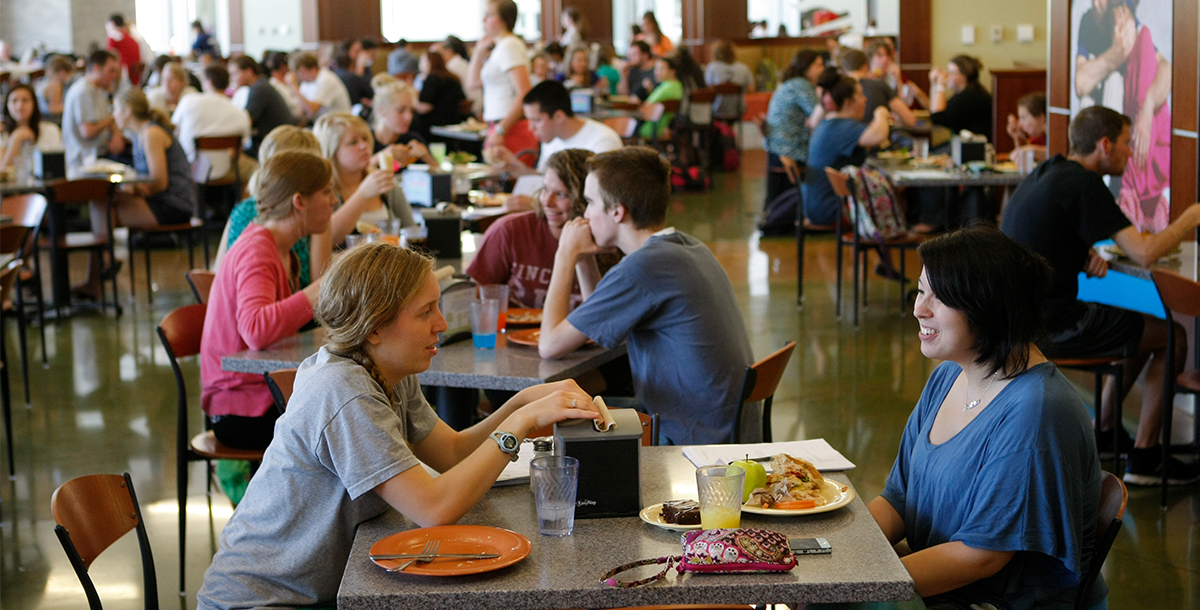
{"x":60,"y":279}
{"x":6,"y":397}
{"x":455,"y":406}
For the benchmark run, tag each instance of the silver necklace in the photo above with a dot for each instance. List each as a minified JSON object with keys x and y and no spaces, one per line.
{"x":975,"y":403}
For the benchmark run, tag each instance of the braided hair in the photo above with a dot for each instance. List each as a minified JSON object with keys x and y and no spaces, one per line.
{"x":366,"y":289}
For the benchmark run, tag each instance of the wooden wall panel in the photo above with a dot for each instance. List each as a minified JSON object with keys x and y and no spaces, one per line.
{"x":1056,"y":130}
{"x":1185,"y":110}
{"x":1058,"y":92}
{"x":236,"y":28}
{"x":915,"y":44}
{"x":338,"y":20}
{"x":1008,"y":86}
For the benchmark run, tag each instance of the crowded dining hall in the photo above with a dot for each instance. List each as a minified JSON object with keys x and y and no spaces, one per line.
{"x":828,"y":304}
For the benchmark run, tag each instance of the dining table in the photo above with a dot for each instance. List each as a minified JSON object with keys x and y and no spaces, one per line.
{"x":564,"y":572}
{"x":455,"y":372}
{"x":904,"y":174}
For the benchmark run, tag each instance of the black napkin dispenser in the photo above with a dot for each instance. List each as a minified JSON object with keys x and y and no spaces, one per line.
{"x":49,"y":165}
{"x":964,"y":151}
{"x":609,"y":482}
{"x":445,"y":233}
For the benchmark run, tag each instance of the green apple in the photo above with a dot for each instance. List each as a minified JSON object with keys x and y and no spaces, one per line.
{"x":756,"y":476}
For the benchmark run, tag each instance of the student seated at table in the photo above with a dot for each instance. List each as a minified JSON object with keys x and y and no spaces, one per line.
{"x":855,"y":64}
{"x":393,"y":108}
{"x":314,"y":252}
{"x":669,"y":298}
{"x":580,"y":75}
{"x":169,"y":198}
{"x":666,"y":72}
{"x":23,"y":123}
{"x":442,"y":97}
{"x":519,"y":249}
{"x":548,"y":110}
{"x":839,"y":140}
{"x":363,"y":191}
{"x":355,"y":435}
{"x":1028,"y":130}
{"x":173,"y":88}
{"x":1059,"y":211}
{"x":255,"y":300}
{"x":996,"y":483}
{"x":53,"y":88}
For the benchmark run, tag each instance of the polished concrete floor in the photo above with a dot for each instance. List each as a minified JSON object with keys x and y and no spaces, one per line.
{"x":107,"y":404}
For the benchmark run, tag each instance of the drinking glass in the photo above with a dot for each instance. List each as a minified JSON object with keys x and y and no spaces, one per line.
{"x":483,"y":323}
{"x":555,"y":480}
{"x":720,"y":490}
{"x":498,"y":292}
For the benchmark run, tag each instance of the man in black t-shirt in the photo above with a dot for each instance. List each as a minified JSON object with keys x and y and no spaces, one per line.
{"x":639,"y":78}
{"x":266,"y":107}
{"x":1059,"y":211}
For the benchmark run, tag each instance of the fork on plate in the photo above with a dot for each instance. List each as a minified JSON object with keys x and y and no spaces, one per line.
{"x":427,"y":555}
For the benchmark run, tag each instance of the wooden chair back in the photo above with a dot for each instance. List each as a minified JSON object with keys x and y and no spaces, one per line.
{"x":13,"y":239}
{"x":200,"y":281}
{"x":1113,"y":499}
{"x":26,"y":210}
{"x":625,"y":126}
{"x":230,"y":144}
{"x":82,"y":191}
{"x":1178,"y":293}
{"x":180,"y":331}
{"x":91,"y":513}
{"x":280,"y":382}
{"x":8,"y":276}
{"x":622,"y":105}
{"x":839,"y":181}
{"x":768,"y":372}
{"x":653,"y":112}
{"x":700,"y":109}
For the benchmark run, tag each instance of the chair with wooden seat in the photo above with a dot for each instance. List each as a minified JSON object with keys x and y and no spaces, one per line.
{"x":8,"y":277}
{"x":180,"y":333}
{"x":82,"y":193}
{"x":1101,"y":368}
{"x":1113,"y":499}
{"x":200,"y":281}
{"x":145,"y":238}
{"x":92,"y":512}
{"x":653,"y":113}
{"x":699,"y":132}
{"x":28,"y":211}
{"x":280,"y":382}
{"x":229,"y":184}
{"x":10,"y":296}
{"x":841,"y":187}
{"x":1182,"y":296}
{"x":734,"y":120}
{"x":803,"y":228}
{"x":759,"y":384}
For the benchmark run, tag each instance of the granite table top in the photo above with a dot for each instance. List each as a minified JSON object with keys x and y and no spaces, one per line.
{"x":509,"y":367}
{"x":1184,"y":263}
{"x":565,"y":572}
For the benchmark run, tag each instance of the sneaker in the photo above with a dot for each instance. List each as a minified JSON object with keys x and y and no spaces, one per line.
{"x":1104,"y":443}
{"x":1145,"y":468}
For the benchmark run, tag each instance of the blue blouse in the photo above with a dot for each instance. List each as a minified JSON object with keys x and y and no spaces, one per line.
{"x":791,"y":105}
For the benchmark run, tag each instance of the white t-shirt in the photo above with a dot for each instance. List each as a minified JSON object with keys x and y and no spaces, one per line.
{"x":328,"y":91}
{"x":594,"y":136}
{"x":49,"y":138}
{"x":209,"y":114}
{"x":295,"y":104}
{"x":157,"y":96}
{"x":499,"y":94}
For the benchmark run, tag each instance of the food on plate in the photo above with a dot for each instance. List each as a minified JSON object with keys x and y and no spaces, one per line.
{"x":524,"y":316}
{"x":681,"y":512}
{"x":756,"y":476}
{"x":792,"y":484}
{"x":896,"y":153}
{"x":1007,"y":167}
{"x":472,"y":124}
{"x":459,"y":157}
{"x":366,"y":227}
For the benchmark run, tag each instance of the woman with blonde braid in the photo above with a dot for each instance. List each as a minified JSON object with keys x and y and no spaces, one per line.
{"x":356,"y":431}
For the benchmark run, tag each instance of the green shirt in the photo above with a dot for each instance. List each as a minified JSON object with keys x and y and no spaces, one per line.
{"x":665,"y":91}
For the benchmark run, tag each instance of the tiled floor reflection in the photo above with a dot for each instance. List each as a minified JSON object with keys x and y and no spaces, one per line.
{"x":107,"y":404}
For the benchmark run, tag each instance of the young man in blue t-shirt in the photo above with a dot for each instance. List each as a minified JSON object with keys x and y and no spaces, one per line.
{"x":668,"y":298}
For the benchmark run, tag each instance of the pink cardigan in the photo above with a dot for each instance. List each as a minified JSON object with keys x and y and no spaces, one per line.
{"x":250,"y":306}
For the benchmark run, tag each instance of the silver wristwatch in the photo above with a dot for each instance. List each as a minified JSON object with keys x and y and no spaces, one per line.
{"x":509,"y":443}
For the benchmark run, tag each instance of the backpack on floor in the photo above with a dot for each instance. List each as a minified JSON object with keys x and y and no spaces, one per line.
{"x":780,"y":216}
{"x":688,"y":179}
{"x":877,"y":213}
{"x":725,"y":153}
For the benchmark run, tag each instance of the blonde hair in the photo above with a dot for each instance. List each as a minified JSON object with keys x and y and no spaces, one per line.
{"x":383,"y":79}
{"x":284,"y":137}
{"x":133,"y":99}
{"x":388,"y":96}
{"x":286,"y":174}
{"x":330,"y":129}
{"x":176,"y":70}
{"x":570,"y":165}
{"x":366,"y":289}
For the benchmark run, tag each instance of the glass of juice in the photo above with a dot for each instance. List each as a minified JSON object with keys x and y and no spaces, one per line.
{"x":483,"y":323}
{"x":498,"y":292}
{"x":720,"y":490}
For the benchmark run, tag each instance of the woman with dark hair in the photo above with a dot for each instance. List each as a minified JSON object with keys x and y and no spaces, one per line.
{"x":23,"y":123}
{"x":794,"y":110}
{"x":841,"y":139}
{"x":1028,"y":131}
{"x":956,"y":99}
{"x":997,"y":480}
{"x":652,"y":34}
{"x":440,"y":102}
{"x":666,"y":72}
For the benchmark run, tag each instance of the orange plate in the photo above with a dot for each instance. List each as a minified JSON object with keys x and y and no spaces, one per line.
{"x":527,"y":336}
{"x":511,"y":546}
{"x":517,"y":315}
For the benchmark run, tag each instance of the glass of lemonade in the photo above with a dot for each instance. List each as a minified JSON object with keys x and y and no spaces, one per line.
{"x":720,"y":490}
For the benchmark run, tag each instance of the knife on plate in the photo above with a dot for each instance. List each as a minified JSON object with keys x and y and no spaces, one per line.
{"x":436,"y":556}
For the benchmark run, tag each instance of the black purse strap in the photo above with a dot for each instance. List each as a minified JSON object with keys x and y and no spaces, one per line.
{"x":609,"y":578}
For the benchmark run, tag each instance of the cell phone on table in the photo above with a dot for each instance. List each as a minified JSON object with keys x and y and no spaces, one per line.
{"x":810,"y":546}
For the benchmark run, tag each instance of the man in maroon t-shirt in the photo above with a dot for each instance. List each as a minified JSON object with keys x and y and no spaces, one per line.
{"x":124,"y":45}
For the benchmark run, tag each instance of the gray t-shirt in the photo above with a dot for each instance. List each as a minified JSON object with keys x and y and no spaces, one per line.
{"x":288,"y":541}
{"x":687,"y":342}
{"x":719,"y":72}
{"x":84,"y":103}
{"x":878,"y":93}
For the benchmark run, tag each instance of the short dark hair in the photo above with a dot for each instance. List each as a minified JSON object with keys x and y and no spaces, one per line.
{"x":555,"y":48}
{"x":1093,"y":124}
{"x":99,"y":58}
{"x":642,"y":46}
{"x":117,"y":19}
{"x":852,"y":60}
{"x":637,"y":178}
{"x":274,"y":60}
{"x":550,"y":96}
{"x":873,"y":47}
{"x":342,"y":60}
{"x":369,"y":43}
{"x":218,"y":76}
{"x":456,"y":44}
{"x":506,"y":10}
{"x":801,"y":62}
{"x":1033,"y":103}
{"x":839,"y":87}
{"x":998,"y":284}
{"x":245,"y":62}
{"x":969,"y":67}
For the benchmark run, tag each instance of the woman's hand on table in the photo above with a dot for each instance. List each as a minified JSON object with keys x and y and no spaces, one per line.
{"x":1095,"y":265}
{"x":558,"y":402}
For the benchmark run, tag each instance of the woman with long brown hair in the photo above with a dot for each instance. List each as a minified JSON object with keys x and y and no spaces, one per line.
{"x":355,"y":435}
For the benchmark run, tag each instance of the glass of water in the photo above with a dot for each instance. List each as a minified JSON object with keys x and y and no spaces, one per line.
{"x":555,"y":481}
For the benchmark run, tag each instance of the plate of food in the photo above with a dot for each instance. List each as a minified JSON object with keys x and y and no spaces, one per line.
{"x":1006,"y":167}
{"x":510,"y":547}
{"x":528,"y":336}
{"x":795,"y":487}
{"x":519,"y":315}
{"x":673,"y":516}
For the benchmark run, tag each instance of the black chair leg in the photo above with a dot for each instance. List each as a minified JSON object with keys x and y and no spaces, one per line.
{"x":799,"y":258}
{"x":149,"y":278}
{"x":22,"y":344}
{"x":6,"y":398}
{"x":854,"y":303}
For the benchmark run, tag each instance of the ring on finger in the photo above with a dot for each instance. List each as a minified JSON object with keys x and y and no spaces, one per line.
{"x":573,"y":402}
